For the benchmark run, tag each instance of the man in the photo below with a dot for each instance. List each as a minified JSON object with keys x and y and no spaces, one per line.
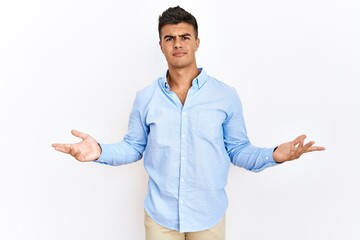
{"x":190,"y":127}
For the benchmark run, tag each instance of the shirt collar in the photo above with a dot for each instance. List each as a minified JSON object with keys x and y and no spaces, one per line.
{"x":199,"y":81}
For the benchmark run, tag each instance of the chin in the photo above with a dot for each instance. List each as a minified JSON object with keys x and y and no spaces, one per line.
{"x":180,"y":64}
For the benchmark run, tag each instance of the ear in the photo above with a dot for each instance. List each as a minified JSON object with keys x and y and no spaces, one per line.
{"x":161,"y":47}
{"x":197,"y":43}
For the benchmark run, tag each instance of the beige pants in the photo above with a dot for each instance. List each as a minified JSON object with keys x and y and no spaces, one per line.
{"x":154,"y":231}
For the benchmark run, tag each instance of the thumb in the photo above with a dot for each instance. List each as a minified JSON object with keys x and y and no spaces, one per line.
{"x":79,"y":134}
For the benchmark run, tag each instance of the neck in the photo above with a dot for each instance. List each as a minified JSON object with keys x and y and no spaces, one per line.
{"x":181,"y":78}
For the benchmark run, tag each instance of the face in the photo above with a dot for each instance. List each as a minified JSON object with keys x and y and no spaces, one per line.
{"x":179,"y":44}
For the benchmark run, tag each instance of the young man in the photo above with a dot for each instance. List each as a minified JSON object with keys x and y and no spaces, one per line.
{"x":190,"y":128}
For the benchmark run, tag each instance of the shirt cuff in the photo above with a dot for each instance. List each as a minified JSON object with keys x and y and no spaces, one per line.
{"x":269,"y":157}
{"x":105,"y":153}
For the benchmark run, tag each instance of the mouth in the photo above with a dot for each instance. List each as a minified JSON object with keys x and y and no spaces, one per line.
{"x":179,"y":54}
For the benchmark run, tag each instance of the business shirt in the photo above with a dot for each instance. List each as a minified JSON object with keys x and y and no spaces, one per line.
{"x":187,"y":150}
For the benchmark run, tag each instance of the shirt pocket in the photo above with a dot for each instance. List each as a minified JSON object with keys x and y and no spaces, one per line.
{"x":209,"y":124}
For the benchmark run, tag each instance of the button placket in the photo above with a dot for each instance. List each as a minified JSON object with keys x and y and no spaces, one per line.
{"x":183,"y":163}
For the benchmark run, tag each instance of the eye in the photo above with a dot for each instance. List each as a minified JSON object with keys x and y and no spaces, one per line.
{"x":168,"y":39}
{"x":185,"y":38}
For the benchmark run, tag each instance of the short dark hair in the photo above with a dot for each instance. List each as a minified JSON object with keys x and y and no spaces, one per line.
{"x":175,"y":15}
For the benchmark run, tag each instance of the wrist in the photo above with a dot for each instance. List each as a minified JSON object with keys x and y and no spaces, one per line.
{"x":99,"y":151}
{"x":274,"y":156}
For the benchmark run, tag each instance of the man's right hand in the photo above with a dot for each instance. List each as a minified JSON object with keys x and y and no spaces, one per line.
{"x":85,"y":151}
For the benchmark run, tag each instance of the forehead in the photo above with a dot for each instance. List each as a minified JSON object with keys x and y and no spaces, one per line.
{"x":177,"y":29}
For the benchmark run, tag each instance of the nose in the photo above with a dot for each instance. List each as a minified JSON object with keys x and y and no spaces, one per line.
{"x":177,"y":43}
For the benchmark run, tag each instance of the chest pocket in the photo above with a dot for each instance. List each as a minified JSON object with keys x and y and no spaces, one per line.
{"x":209,"y":124}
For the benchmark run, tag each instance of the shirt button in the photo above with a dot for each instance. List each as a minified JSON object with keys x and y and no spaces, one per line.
{"x":183,"y":135}
{"x":181,"y":201}
{"x":182,"y":180}
{"x":267,"y":158}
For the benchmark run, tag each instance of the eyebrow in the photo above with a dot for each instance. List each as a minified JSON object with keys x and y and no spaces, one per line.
{"x":181,"y":35}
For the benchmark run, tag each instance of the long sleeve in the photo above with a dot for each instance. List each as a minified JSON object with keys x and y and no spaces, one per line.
{"x":241,"y":152}
{"x":188,"y":149}
{"x":131,"y":148}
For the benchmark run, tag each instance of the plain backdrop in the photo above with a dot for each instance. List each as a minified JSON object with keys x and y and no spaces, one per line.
{"x":76,"y":64}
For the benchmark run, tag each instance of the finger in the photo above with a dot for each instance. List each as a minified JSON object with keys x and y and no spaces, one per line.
{"x":79,"y":134}
{"x":315,"y":148}
{"x":310,"y":148}
{"x":65,"y":148}
{"x":308,"y":145}
{"x":299,"y":139}
{"x":300,"y":145}
{"x":295,"y":146}
{"x":303,"y":148}
{"x":299,"y":149}
{"x":54,"y":145}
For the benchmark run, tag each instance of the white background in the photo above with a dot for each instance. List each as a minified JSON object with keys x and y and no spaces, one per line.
{"x":78,"y":64}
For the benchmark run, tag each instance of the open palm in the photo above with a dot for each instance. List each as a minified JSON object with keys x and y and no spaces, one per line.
{"x":86,"y":150}
{"x":294,"y":149}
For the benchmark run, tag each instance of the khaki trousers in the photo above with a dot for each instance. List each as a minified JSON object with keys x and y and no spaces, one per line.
{"x":154,"y":231}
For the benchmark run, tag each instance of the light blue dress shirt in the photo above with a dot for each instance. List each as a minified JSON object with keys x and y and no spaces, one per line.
{"x":187,"y":150}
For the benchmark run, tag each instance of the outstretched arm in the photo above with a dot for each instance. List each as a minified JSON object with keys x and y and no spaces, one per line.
{"x":294,"y":149}
{"x":85,"y":151}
